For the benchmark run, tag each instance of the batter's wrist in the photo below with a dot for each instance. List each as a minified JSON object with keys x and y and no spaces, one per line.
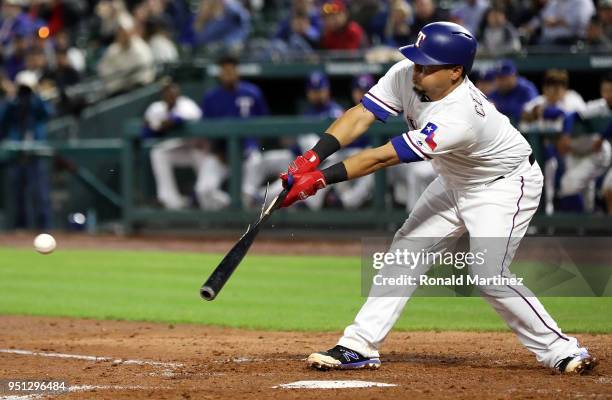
{"x":336,"y":173}
{"x":326,"y":146}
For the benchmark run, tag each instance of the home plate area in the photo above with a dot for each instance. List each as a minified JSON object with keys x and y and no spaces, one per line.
{"x":139,"y":360}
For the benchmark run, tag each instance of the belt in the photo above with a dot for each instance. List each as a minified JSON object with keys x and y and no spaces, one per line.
{"x":531,"y":162}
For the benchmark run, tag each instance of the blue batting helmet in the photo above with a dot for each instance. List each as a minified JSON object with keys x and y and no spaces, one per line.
{"x":443,"y":43}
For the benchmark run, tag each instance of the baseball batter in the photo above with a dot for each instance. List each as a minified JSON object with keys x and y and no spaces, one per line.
{"x":488,"y":186}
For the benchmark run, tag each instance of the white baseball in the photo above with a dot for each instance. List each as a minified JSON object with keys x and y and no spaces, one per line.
{"x":44,"y":243}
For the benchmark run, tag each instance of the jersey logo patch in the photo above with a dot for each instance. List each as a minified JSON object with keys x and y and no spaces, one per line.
{"x":429,"y":131}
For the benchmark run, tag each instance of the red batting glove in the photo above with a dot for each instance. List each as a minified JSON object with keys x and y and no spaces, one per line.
{"x":304,"y":186}
{"x":307,"y":162}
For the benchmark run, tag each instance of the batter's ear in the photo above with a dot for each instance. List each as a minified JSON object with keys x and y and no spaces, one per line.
{"x":457,"y":72}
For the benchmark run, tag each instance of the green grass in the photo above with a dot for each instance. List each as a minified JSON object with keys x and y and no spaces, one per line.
{"x":266,"y":292}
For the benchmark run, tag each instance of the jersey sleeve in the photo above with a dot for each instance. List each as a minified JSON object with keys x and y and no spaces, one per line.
{"x":384,"y":99}
{"x":186,"y":109}
{"x":437,"y":137}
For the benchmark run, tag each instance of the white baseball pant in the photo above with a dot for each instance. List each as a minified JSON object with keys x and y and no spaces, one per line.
{"x":501,"y":209}
{"x":210,"y":174}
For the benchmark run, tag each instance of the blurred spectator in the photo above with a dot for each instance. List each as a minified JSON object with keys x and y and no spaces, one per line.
{"x":161,"y":117}
{"x":425,"y":12}
{"x":179,"y":14}
{"x":63,"y":74}
{"x":339,"y":31}
{"x":512,"y":92}
{"x":499,"y":37}
{"x":302,"y":27}
{"x":36,"y":62}
{"x":561,"y":21}
{"x":60,"y":15}
{"x":108,"y":13}
{"x":223,"y":24}
{"x":485,"y":80}
{"x":174,"y":14}
{"x":24,"y":120}
{"x":596,"y":38}
{"x":76,"y":56}
{"x":397,"y":24}
{"x":548,"y":110}
{"x":7,"y":90}
{"x":469,"y":13}
{"x":14,"y":21}
{"x":128,"y":62}
{"x":157,"y":36}
{"x":15,"y":59}
{"x":55,"y":80}
{"x":365,"y":11}
{"x":233,"y":98}
{"x":604,"y":11}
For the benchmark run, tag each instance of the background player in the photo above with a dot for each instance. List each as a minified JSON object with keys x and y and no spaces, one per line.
{"x":171,"y":111}
{"x":489,"y":186}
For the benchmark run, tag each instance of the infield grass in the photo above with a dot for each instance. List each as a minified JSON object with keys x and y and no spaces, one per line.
{"x":266,"y":292}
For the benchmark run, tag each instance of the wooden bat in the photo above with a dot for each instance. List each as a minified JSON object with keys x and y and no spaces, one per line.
{"x":211,"y":288}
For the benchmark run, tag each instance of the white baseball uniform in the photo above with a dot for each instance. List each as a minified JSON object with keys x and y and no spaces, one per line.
{"x":487,"y":186}
{"x":178,"y":152}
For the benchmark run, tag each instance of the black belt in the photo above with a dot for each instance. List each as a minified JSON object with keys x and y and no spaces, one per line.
{"x":531,"y":162}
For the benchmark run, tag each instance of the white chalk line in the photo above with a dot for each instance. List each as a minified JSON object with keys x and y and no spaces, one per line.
{"x":242,"y":360}
{"x":348,"y":384}
{"x":92,"y":358}
{"x":78,"y":388}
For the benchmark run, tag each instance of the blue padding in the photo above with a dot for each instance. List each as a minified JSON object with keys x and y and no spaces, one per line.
{"x":375,"y":109}
{"x":404,"y":152}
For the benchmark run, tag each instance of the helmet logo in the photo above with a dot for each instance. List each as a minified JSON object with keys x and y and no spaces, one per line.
{"x":420,"y":39}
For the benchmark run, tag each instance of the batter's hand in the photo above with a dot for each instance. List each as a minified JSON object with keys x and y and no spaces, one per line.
{"x":303,"y":186}
{"x":307,"y":162}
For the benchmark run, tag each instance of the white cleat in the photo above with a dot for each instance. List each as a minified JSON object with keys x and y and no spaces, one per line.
{"x":580,"y":364}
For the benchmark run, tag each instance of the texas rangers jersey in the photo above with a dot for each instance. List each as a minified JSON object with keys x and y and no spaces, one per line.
{"x":469,"y":142}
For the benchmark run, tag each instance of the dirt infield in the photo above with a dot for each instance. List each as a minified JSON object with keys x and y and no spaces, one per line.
{"x":146,"y":360}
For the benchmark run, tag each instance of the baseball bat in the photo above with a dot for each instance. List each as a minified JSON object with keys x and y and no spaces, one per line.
{"x":219,"y":277}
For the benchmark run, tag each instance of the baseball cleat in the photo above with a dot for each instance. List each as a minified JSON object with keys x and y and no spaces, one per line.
{"x":581,"y":364}
{"x":341,"y":357}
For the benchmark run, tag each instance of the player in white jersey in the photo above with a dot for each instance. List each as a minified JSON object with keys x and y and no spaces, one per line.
{"x":582,"y":159}
{"x":488,"y":186}
{"x":163,"y":116}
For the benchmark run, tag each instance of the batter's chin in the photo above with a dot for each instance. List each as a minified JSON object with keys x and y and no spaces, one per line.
{"x":421,"y":93}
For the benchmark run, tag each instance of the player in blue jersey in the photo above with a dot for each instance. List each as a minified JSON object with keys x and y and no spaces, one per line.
{"x":513,"y":91}
{"x":233,"y":98}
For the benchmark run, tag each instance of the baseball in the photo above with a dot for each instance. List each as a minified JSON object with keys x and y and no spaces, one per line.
{"x":44,"y":243}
